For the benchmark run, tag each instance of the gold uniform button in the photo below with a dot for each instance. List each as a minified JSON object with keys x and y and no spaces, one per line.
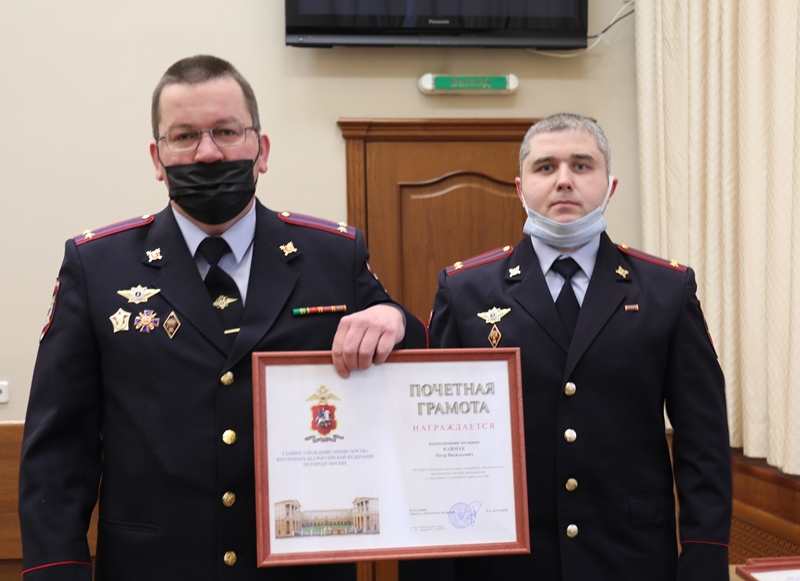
{"x":229,"y":499}
{"x":572,"y":531}
{"x":230,"y":558}
{"x":571,"y":484}
{"x":570,"y":388}
{"x":229,"y":437}
{"x":226,"y":379}
{"x":570,"y":436}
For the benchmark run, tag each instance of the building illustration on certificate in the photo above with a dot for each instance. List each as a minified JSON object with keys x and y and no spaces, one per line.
{"x":292,"y":521}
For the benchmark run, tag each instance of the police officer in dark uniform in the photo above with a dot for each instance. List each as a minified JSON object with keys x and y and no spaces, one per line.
{"x":602,"y":355}
{"x":142,"y":391}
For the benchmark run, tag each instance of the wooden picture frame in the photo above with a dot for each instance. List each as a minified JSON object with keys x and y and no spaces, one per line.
{"x":420,"y":457}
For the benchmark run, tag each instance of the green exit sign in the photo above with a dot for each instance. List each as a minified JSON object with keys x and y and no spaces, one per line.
{"x":467,"y":84}
{"x":470,"y":83}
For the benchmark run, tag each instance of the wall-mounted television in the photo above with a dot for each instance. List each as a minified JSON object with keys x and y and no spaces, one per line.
{"x":543,"y":24}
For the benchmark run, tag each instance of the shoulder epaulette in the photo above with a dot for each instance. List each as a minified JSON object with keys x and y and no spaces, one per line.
{"x":89,"y":235}
{"x":673,"y":264}
{"x":484,"y":258}
{"x":339,"y":228}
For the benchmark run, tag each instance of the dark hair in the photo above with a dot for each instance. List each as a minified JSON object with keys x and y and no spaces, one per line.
{"x":201,"y":69}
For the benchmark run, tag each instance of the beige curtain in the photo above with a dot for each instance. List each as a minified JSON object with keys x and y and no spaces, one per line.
{"x":719,"y":144}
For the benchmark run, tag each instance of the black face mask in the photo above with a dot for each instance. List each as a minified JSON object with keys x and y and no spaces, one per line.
{"x":212,"y":193}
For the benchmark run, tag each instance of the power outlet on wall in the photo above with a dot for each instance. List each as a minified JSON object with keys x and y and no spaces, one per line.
{"x":3,"y":392}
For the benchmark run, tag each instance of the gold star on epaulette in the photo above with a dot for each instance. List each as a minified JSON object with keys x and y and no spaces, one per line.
{"x":494,"y":315}
{"x":88,"y":234}
{"x":673,"y":263}
{"x":458,"y":265}
{"x":342,"y":227}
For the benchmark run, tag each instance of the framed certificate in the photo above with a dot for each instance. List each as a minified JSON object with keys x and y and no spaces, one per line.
{"x":422,"y":456}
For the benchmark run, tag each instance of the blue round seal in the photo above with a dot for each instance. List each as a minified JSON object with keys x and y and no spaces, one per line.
{"x":463,"y":515}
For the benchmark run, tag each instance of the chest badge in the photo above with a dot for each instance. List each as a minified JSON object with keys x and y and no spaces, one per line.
{"x":494,"y":315}
{"x":171,"y":324}
{"x":138,"y":294}
{"x":147,"y":321}
{"x":288,"y":248}
{"x":120,"y":320}
{"x":223,"y":302}
{"x":494,"y":337}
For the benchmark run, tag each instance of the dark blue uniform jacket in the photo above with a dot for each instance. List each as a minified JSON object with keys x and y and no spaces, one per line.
{"x":138,"y":414}
{"x":601,"y":503}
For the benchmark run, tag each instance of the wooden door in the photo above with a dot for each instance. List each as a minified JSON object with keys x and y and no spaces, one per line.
{"x":430,"y":192}
{"x":427,"y":193}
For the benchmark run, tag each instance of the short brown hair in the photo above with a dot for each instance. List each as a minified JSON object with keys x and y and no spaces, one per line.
{"x":201,"y":69}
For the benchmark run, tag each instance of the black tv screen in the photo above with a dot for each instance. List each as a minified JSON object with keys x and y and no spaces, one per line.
{"x":546,"y":24}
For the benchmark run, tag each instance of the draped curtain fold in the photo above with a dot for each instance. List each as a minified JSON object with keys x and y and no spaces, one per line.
{"x":719,"y":147}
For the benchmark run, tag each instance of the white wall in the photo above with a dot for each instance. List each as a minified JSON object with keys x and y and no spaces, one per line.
{"x":74,"y":113}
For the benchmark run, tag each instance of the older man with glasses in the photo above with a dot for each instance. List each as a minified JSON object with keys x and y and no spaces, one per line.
{"x":142,"y":391}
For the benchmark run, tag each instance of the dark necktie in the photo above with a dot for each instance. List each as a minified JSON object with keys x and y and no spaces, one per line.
{"x":221,"y":287}
{"x":567,"y":303}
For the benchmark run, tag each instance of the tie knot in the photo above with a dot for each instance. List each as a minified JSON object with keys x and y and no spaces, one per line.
{"x":566,"y":267}
{"x":212,"y":249}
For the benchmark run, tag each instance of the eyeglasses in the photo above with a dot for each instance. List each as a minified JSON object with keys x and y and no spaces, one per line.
{"x":182,"y":139}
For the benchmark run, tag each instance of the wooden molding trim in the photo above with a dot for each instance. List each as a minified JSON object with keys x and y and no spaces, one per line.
{"x":777,"y":526}
{"x":766,"y":510}
{"x":763,"y":487}
{"x":463,"y":129}
{"x":759,"y":468}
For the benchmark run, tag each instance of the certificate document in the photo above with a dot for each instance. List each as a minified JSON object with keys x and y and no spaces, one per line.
{"x":422,"y":456}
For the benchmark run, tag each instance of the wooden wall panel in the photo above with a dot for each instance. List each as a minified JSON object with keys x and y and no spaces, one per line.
{"x":10,"y":541}
{"x":10,"y":447}
{"x":766,"y":510}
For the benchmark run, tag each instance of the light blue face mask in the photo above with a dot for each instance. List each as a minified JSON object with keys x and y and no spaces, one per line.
{"x":567,"y":235}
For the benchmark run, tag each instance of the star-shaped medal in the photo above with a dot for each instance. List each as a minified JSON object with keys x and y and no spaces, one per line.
{"x":119,"y":320}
